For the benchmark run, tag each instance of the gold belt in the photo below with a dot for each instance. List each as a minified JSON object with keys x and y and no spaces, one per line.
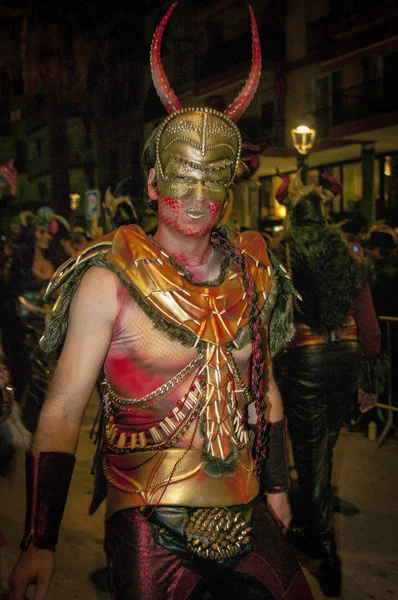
{"x":306,"y":336}
{"x":173,"y":477}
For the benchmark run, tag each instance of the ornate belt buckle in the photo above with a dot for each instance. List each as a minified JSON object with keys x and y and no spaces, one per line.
{"x":217,"y":533}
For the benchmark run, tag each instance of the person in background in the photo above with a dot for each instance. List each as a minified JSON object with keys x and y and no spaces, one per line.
{"x":272,"y":230}
{"x":335,"y":352}
{"x":353,"y":228}
{"x":14,"y":436}
{"x":79,"y":239}
{"x":193,"y":456}
{"x":35,"y":258}
{"x":381,"y":249}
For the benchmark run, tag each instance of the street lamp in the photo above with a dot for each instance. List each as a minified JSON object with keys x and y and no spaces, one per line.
{"x":303,"y":140}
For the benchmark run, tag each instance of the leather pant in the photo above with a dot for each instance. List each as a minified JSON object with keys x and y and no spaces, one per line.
{"x":140,"y":569}
{"x":317,"y":384}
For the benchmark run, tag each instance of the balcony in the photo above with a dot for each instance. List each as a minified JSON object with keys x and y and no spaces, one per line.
{"x":370,"y":99}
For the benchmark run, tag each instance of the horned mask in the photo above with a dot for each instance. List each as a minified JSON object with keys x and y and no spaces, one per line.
{"x":200,"y":138}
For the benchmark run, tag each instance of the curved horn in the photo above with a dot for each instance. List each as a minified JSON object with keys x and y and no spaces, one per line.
{"x":162,"y":86}
{"x":333,"y":185}
{"x":283,"y":190}
{"x":242,"y":101}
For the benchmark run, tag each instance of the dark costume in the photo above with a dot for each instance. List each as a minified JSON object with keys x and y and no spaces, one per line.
{"x":336,"y":349}
{"x":24,"y":313}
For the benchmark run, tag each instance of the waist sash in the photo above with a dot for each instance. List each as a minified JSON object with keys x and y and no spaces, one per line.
{"x":173,"y":477}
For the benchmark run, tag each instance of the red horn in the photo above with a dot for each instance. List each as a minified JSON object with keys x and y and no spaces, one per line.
{"x":162,"y":86}
{"x":332,"y":184}
{"x":283,"y":190}
{"x":239,"y":105}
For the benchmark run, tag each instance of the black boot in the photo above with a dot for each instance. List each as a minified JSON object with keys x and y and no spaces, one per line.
{"x":303,"y":540}
{"x":330,"y":571}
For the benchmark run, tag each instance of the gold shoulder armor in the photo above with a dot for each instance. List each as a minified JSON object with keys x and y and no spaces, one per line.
{"x":62,"y":274}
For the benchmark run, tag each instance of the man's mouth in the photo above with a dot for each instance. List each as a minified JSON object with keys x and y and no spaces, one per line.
{"x":195,"y":213}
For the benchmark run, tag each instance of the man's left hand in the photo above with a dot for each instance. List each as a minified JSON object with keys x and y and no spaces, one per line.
{"x":279,"y":506}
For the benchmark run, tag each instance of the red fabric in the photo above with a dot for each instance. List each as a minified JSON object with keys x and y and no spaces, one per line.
{"x":142,"y":570}
{"x":368,"y":325}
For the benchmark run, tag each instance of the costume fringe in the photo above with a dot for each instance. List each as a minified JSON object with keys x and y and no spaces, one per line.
{"x":373,"y":373}
{"x":281,"y":327}
{"x":57,"y":321}
{"x":216,"y":467}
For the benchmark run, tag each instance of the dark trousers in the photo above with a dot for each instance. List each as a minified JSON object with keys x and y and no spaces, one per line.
{"x":140,"y":569}
{"x":317,"y":384}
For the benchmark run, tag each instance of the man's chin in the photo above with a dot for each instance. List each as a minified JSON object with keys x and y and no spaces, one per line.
{"x":195,"y":229}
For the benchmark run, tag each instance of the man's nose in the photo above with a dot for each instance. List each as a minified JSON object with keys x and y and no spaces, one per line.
{"x":199,"y":191}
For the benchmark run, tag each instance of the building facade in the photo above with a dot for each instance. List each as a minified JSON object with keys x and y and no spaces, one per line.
{"x":330,"y":65}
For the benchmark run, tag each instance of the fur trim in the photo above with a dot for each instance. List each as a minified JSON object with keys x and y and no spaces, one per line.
{"x":324,"y":273}
{"x":373,"y":373}
{"x":216,"y":467}
{"x":57,"y":321}
{"x":185,"y":337}
{"x":281,"y":327}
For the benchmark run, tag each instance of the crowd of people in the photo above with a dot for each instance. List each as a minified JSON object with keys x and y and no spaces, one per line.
{"x":207,"y":339}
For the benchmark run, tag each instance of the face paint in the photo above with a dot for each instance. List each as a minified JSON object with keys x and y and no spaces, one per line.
{"x":196,"y":157}
{"x":193,"y":217}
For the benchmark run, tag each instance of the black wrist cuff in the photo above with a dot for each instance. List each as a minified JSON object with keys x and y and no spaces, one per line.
{"x":47,"y":484}
{"x":275,"y":475}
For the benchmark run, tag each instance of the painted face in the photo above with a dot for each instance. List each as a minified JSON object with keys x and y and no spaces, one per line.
{"x":192,"y":217}
{"x":197,"y":154}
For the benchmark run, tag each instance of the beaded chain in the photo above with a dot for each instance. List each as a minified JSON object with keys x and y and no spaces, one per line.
{"x":178,"y":420}
{"x":128,"y":403}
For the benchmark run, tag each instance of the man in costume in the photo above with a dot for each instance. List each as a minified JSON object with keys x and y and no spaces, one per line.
{"x":335,"y":353}
{"x":193,"y":432}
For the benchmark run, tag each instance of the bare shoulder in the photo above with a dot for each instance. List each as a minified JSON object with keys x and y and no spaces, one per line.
{"x":96,"y":294}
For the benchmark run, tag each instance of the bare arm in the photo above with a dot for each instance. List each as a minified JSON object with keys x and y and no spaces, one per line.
{"x":92,"y":314}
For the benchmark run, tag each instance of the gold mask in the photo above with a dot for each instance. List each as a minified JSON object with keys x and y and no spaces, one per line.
{"x":197,"y":154}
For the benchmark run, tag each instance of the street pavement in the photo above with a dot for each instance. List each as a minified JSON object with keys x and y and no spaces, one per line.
{"x":365,"y":478}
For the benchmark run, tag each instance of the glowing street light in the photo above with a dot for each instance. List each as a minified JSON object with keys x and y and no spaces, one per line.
{"x":303,"y":138}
